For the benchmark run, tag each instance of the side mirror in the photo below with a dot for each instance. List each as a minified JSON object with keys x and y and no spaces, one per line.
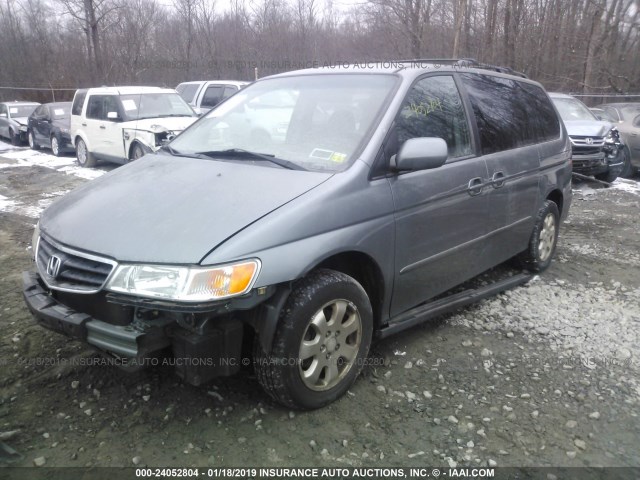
{"x":112,"y":115}
{"x":421,"y":153}
{"x":198,"y":111}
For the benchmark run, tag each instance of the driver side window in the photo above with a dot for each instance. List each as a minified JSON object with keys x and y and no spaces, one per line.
{"x":433,"y":108}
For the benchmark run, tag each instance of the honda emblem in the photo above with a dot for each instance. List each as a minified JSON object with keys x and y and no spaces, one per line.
{"x":53,"y":266}
{"x":589,"y":141}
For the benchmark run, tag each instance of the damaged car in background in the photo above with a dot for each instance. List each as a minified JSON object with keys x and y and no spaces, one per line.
{"x":596,"y":147}
{"x":14,"y":120}
{"x":121,"y":124}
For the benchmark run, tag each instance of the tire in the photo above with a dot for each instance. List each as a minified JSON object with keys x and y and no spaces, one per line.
{"x":83,"y":155}
{"x":319,"y":303}
{"x":627,"y":169}
{"x":32,"y":141}
{"x":544,"y":238}
{"x":609,"y":176}
{"x":136,"y":152}
{"x":55,"y":146}
{"x":13,"y":138}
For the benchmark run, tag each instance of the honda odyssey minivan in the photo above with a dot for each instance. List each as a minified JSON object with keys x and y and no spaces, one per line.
{"x":310,"y":234}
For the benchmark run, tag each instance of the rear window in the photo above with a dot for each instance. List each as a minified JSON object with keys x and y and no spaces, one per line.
{"x":509,"y":113}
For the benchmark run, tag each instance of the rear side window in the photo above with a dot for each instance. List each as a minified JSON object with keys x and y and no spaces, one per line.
{"x":510,"y":114}
{"x":433,"y":108}
{"x":228,"y":91}
{"x":78,"y":101}
{"x":544,"y":116}
{"x":212,"y":96}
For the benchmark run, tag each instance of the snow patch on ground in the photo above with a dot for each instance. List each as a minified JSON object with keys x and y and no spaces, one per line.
{"x":627,"y":185}
{"x":30,"y":158}
{"x":31,"y":211}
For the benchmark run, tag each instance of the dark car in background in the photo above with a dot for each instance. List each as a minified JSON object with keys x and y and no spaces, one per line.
{"x":626,"y":118}
{"x":48,"y":127}
{"x":596,"y":148}
{"x":13,"y":120}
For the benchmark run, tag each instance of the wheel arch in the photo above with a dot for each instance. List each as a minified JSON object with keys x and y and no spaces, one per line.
{"x":358,"y":265}
{"x":556,"y":197}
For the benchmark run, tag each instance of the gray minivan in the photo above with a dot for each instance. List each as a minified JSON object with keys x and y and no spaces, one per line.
{"x":310,"y":213}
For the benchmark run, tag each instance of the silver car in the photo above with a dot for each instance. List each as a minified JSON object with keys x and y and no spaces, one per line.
{"x":14,"y":117}
{"x":595,"y":143}
{"x":626,"y":117}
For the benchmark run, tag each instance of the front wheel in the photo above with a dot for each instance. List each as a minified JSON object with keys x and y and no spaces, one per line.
{"x":14,"y":139}
{"x":609,"y":176}
{"x":627,"y":168}
{"x":32,"y":141}
{"x":55,"y":146}
{"x":321,"y":342}
{"x":136,"y":152}
{"x":84,"y":156}
{"x":544,"y":238}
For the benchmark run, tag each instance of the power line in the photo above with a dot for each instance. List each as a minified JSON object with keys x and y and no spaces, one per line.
{"x":48,"y":89}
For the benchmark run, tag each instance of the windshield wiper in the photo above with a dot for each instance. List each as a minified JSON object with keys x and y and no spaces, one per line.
{"x":240,"y":153}
{"x":168,"y":148}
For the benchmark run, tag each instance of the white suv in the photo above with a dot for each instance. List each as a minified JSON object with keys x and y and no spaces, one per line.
{"x":119,"y":124}
{"x":207,"y":94}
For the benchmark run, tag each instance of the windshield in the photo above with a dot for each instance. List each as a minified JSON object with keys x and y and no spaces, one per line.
{"x":187,"y":91}
{"x":572,"y":109}
{"x":154,"y":105}
{"x":317,"y":122}
{"x":17,"y":111}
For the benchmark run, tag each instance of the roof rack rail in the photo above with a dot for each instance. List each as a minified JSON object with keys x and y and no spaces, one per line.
{"x":468,"y":63}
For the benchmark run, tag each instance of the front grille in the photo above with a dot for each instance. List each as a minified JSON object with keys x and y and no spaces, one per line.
{"x":583,"y":140}
{"x":75,"y":271}
{"x":575,"y":150}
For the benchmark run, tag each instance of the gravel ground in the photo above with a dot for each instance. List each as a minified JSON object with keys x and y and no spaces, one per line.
{"x":543,"y":375}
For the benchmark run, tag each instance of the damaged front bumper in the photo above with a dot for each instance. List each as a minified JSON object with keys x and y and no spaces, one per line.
{"x":209,"y":349}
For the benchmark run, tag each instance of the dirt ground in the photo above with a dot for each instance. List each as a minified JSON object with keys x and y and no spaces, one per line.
{"x":547,"y":374}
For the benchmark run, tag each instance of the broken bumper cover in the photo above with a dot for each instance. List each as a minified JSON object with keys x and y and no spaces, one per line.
{"x":118,"y":340}
{"x":196,"y":357}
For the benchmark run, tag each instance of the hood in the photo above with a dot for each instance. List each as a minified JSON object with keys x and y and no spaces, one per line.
{"x":21,"y":120}
{"x":163,"y":209}
{"x":587,"y":128}
{"x":174,"y":124}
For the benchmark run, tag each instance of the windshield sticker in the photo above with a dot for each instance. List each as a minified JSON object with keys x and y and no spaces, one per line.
{"x":321,"y":154}
{"x":129,"y":104}
{"x":338,"y":157}
{"x":13,"y":110}
{"x":58,"y":111}
{"x":426,"y":108}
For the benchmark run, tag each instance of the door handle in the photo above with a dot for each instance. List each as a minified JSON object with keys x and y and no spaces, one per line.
{"x":497,"y":180}
{"x":103,"y":127}
{"x":475,"y":186}
{"x":84,"y":124}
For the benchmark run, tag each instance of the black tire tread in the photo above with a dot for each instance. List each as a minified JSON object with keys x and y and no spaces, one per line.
{"x":270,"y":374}
{"x":528,"y":259}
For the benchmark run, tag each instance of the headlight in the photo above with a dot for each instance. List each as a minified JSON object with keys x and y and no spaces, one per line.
{"x":187,"y":284}
{"x":23,"y":128}
{"x":64,"y":130}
